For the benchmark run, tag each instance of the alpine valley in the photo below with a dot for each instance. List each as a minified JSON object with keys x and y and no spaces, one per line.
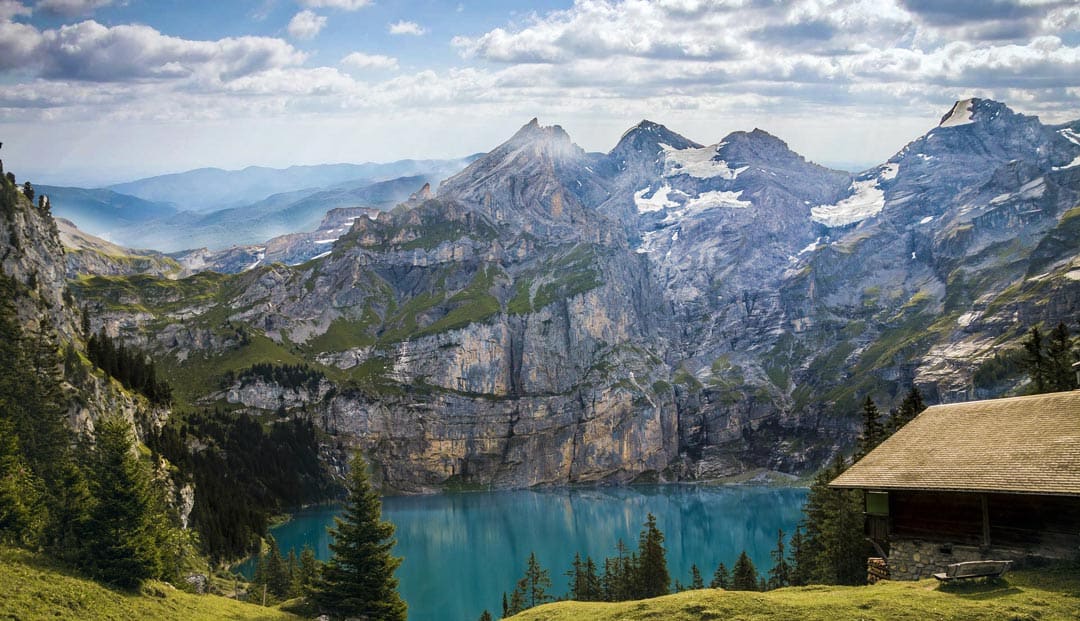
{"x":664,"y":312}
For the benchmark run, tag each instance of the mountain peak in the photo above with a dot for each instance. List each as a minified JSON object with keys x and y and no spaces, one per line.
{"x":533,"y":131}
{"x":647,"y":136}
{"x":972,"y":110}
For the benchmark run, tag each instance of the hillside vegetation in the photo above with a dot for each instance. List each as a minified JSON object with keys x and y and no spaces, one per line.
{"x":1024,"y":595}
{"x":37,"y":588}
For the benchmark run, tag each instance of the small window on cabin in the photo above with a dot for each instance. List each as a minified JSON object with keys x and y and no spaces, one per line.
{"x":877,"y":503}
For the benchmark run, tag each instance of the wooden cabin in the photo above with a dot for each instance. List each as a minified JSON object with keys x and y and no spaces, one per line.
{"x":996,"y":479}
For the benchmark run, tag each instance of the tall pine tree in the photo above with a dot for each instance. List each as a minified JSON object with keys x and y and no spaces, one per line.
{"x":780,"y":574}
{"x":653,"y":579}
{"x":1059,"y":358}
{"x":121,"y":544}
{"x":358,"y":580}
{"x":872,"y":430}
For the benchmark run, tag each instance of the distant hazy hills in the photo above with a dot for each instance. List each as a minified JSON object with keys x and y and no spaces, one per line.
{"x":216,"y":208}
{"x":210,"y":189}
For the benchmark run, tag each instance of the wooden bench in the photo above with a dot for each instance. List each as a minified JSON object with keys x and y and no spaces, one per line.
{"x":974,"y":569}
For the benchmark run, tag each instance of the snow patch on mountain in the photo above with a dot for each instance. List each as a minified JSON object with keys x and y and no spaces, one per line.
{"x":659,"y":200}
{"x":961,"y":114}
{"x":1071,"y":135}
{"x":867,"y":199}
{"x":888,"y":171}
{"x":715,"y":199}
{"x":1075,"y":162}
{"x":701,"y":163}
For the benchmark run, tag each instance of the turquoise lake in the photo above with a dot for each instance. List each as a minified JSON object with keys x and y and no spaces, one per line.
{"x":462,"y":551}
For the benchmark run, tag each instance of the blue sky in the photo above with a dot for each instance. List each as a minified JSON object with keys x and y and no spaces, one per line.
{"x":98,"y":91}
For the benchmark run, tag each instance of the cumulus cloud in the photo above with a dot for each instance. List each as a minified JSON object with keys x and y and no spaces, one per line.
{"x":344,"y":5}
{"x":306,"y":24}
{"x":12,"y":8}
{"x":70,"y":8}
{"x":361,"y":61}
{"x":89,"y":51}
{"x":407,"y":28}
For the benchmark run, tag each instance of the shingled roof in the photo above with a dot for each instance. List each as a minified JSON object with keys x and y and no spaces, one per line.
{"x":1025,"y":445}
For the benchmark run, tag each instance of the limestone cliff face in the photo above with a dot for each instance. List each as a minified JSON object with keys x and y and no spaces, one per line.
{"x":32,"y":254}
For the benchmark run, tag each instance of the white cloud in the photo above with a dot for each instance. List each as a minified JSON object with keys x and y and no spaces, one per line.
{"x":71,"y":7}
{"x":18,"y":45}
{"x":93,"y":52}
{"x":344,"y":5}
{"x":407,"y":28}
{"x":306,"y":24}
{"x":361,"y":61}
{"x":12,"y":8}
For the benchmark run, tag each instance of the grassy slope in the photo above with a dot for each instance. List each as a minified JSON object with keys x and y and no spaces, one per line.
{"x":33,"y":587}
{"x":1024,"y":595}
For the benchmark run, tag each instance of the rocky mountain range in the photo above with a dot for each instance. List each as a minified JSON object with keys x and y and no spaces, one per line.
{"x":664,"y":311}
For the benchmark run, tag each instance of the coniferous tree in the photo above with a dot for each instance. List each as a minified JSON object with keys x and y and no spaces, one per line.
{"x":652,"y":573}
{"x":121,"y":543}
{"x":576,"y":574}
{"x":834,"y":544}
{"x":1059,"y":359}
{"x":20,"y":500}
{"x":799,"y":562}
{"x":68,"y":520}
{"x":485,"y":616}
{"x":593,"y":589}
{"x":721,"y":578}
{"x":307,"y":569}
{"x":780,"y":574}
{"x":696,"y":581}
{"x":358,"y":580}
{"x":1035,"y":360}
{"x":744,"y":576}
{"x":275,"y":570}
{"x":534,"y":584}
{"x":517,"y":598}
{"x":872,"y":430}
{"x":505,"y":607}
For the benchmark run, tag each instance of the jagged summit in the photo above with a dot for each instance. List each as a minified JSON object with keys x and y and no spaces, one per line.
{"x":534,"y":132}
{"x":973,"y":110}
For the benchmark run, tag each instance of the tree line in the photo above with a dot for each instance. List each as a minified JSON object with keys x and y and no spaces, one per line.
{"x":1048,"y":359}
{"x":244,"y":473}
{"x":128,"y":365}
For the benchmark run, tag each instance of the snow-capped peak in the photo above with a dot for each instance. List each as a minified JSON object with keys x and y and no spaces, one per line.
{"x":961,"y":114}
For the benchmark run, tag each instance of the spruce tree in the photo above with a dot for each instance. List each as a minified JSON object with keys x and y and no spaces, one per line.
{"x":744,"y":576}
{"x":696,"y":581}
{"x":275,"y":570}
{"x":593,"y":590}
{"x":308,"y":569}
{"x":537,"y":583}
{"x":69,"y":517}
{"x":517,"y":598}
{"x":721,"y":578}
{"x":1035,"y":360}
{"x":799,"y":560}
{"x":485,"y":616}
{"x":20,"y":490}
{"x":1059,"y":358}
{"x":872,"y":430}
{"x":780,"y":574}
{"x":358,"y":580}
{"x":121,"y":544}
{"x":652,"y":573}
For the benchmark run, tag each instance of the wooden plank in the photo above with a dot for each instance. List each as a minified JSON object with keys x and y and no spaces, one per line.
{"x":985,"y":520}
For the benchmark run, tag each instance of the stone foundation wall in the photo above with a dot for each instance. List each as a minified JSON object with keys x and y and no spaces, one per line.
{"x":913,"y":559}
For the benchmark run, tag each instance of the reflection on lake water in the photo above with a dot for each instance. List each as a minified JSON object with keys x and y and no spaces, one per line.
{"x":463,"y":550}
